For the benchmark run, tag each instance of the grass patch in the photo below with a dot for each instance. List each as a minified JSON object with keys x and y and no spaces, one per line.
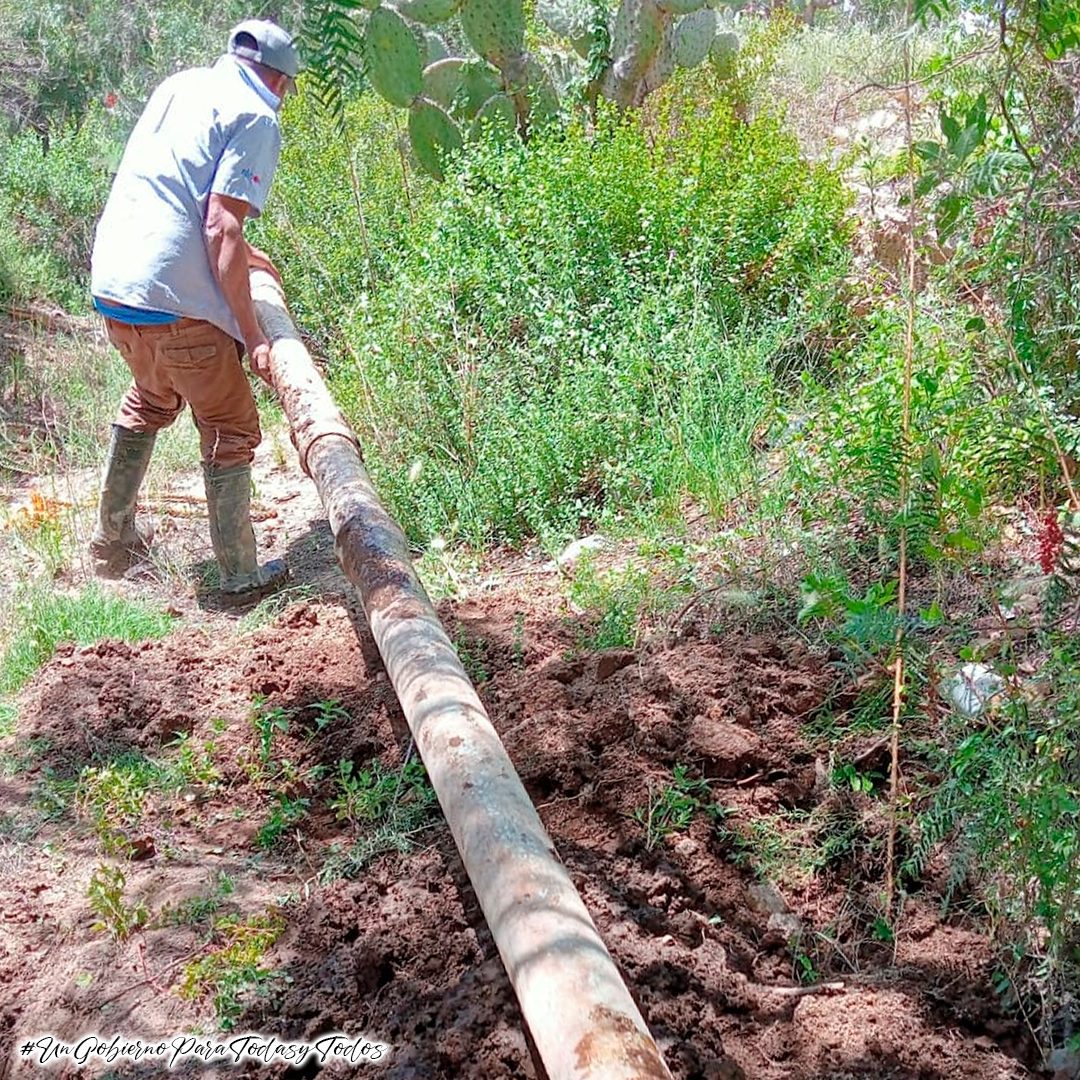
{"x":43,"y":620}
{"x":9,"y":715}
{"x":613,"y":602}
{"x":233,"y":967}
{"x":671,"y":809}
{"x":386,"y":807}
{"x":199,"y":909}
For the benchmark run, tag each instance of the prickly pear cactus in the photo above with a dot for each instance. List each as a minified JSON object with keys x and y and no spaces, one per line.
{"x":694,"y":35}
{"x":434,"y":47}
{"x":442,"y":81}
{"x":495,"y":29}
{"x":392,"y":57}
{"x":478,"y":84}
{"x":680,"y":7}
{"x":574,"y":20}
{"x":640,"y":28}
{"x":433,"y":135}
{"x":503,"y":88}
{"x":567,"y":18}
{"x":497,"y":116}
{"x":429,"y":12}
{"x":724,"y":53}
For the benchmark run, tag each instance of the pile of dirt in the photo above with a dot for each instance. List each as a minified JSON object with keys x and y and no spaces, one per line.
{"x":401,"y":952}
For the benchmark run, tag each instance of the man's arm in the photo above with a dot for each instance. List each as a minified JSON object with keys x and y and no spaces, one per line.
{"x":229,"y":260}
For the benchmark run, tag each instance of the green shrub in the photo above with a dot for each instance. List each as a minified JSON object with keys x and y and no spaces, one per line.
{"x":583,"y":327}
{"x":974,"y":439}
{"x":50,"y":203}
{"x":65,"y":55}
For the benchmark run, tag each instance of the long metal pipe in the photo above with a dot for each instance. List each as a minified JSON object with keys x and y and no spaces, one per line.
{"x":581,"y":1017}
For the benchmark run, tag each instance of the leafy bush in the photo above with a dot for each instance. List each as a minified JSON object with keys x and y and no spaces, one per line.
{"x":57,"y":57}
{"x":1009,"y":802}
{"x":50,"y":203}
{"x":571,"y":329}
{"x":973,"y":438}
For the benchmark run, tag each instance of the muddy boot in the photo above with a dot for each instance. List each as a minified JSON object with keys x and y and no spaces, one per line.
{"x":228,"y":500}
{"x":117,"y":544}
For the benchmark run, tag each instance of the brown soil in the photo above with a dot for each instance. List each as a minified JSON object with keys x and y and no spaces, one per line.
{"x":401,"y":952}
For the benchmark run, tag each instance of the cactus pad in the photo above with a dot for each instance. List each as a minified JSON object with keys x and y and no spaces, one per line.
{"x":494,"y":28}
{"x":434,"y":47}
{"x":694,"y":35}
{"x":543,"y":97}
{"x":568,"y":18}
{"x":443,"y":80}
{"x":428,"y":11}
{"x":478,"y":83}
{"x":392,"y":57}
{"x":433,"y":135}
{"x":635,"y":42}
{"x":724,"y":52}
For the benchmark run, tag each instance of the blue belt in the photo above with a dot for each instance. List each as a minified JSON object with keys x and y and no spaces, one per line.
{"x":133,"y":316}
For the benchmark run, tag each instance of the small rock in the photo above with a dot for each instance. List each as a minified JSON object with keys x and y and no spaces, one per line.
{"x":687,"y":847}
{"x":729,"y":750}
{"x":765,"y":899}
{"x":143,"y":848}
{"x":572,"y":552}
{"x":785,"y":923}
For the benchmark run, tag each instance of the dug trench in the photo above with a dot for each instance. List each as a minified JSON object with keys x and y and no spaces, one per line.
{"x":741,"y":969}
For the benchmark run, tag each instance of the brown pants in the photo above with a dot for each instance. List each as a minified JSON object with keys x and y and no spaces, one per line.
{"x":194,"y":362}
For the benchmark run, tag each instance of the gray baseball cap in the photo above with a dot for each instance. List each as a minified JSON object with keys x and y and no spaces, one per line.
{"x":273,"y":47}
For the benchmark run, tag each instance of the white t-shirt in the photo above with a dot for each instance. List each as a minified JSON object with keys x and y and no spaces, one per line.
{"x":204,"y":131}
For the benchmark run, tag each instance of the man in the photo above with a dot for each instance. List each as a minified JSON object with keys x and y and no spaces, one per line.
{"x":169,"y":273}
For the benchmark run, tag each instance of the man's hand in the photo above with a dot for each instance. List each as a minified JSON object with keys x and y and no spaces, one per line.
{"x":259,"y":360}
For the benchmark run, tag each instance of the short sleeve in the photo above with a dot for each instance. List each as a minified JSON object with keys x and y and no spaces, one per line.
{"x":247,"y":164}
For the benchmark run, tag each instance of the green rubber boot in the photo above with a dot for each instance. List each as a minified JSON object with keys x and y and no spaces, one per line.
{"x":117,"y":543}
{"x":228,"y":500}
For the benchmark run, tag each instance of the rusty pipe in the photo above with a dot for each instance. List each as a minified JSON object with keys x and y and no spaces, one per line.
{"x":581,"y":1017}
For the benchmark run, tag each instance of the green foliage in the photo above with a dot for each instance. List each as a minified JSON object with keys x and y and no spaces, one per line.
{"x":670,"y":809}
{"x":199,"y":909}
{"x":287,"y":812}
{"x":194,"y":764}
{"x":1011,"y":802}
{"x":233,"y":967}
{"x":57,"y":57}
{"x":847,"y":775}
{"x":44,"y":619}
{"x":613,"y":602}
{"x":968,"y":445}
{"x":50,"y":203}
{"x":114,"y":795}
{"x":627,"y":54}
{"x":106,"y":895}
{"x":269,"y":722}
{"x":387,"y":808}
{"x":368,"y":796}
{"x":585,"y":325}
